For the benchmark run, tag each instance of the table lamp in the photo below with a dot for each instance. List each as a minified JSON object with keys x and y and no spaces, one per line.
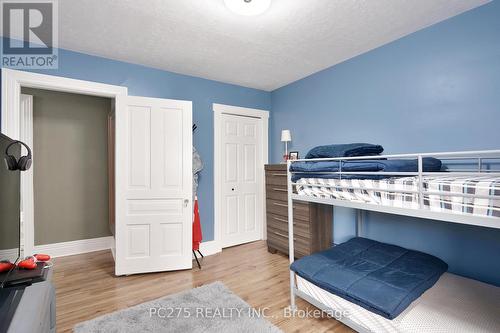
{"x":286,"y":137}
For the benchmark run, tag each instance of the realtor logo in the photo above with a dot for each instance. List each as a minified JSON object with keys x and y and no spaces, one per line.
{"x":29,"y":34}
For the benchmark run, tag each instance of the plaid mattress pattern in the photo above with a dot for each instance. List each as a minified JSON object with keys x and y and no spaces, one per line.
{"x":381,"y":192}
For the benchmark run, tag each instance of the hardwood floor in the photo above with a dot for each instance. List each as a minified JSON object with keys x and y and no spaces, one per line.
{"x":86,"y":286}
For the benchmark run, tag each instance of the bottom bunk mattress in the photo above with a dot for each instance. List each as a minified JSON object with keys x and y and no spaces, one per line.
{"x":381,"y":192}
{"x":453,"y":305}
{"x":380,"y":277}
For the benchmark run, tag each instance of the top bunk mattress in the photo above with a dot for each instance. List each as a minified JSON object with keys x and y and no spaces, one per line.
{"x":380,"y":192}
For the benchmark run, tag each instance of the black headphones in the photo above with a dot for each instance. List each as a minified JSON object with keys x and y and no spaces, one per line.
{"x":13,"y":164}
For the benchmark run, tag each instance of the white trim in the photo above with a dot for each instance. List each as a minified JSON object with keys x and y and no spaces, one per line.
{"x":94,"y":244}
{"x":11,"y":254}
{"x":240,"y":111}
{"x":210,"y":248}
{"x":76,"y":247}
{"x":263,"y":115}
{"x":26,"y":136}
{"x":13,"y":80}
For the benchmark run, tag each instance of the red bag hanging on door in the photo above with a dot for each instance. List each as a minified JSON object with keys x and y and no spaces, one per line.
{"x":197,"y":235}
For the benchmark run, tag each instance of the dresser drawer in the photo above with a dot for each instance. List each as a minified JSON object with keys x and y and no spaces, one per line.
{"x":300,"y":210}
{"x":279,"y":239}
{"x":276,"y":178}
{"x":277,"y":222}
{"x":277,"y":192}
{"x":275,"y":167}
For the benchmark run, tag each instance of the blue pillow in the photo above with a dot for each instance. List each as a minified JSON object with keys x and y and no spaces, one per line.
{"x":345,"y":150}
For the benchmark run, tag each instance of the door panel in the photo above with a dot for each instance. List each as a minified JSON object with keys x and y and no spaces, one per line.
{"x":138,"y":241}
{"x":170,"y":127}
{"x":232,"y":207}
{"x":171,"y":244}
{"x":242,"y":201}
{"x":231,"y":156}
{"x":250,"y":214}
{"x":155,"y":207}
{"x":249,"y":162}
{"x":156,"y":224}
{"x":139,"y":154}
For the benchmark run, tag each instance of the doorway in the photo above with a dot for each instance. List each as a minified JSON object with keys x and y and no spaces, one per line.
{"x":69,"y":179}
{"x":240,"y":154}
{"x":15,"y":123}
{"x":152,"y":169}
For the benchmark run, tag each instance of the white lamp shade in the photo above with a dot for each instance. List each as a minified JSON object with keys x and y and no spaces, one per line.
{"x":286,"y":136}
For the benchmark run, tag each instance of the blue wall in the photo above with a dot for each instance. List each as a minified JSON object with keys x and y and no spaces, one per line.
{"x":144,"y":81}
{"x":435,"y":90}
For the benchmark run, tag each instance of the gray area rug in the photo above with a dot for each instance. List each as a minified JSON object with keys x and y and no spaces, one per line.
{"x":210,"y":308}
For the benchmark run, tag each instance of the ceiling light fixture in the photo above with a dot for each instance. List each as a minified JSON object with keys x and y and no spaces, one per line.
{"x":248,"y":7}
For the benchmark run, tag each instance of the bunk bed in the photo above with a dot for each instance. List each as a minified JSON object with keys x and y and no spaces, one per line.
{"x":456,"y":187}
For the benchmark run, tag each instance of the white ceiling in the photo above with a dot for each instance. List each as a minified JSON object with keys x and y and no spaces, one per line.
{"x":293,"y":39}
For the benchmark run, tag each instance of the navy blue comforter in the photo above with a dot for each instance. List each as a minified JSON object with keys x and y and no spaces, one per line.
{"x":381,"y":278}
{"x":307,"y":169}
{"x":345,"y":150}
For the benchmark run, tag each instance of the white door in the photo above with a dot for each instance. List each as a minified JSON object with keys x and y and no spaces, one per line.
{"x":154,"y":186}
{"x":242,"y":199}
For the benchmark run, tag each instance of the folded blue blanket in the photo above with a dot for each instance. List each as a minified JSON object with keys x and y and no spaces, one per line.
{"x":307,"y":169}
{"x":345,"y":150}
{"x":379,"y":277}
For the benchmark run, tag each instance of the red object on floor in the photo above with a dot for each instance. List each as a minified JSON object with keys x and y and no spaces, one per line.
{"x":28,"y":263}
{"x":42,"y":257}
{"x":6,"y":266}
{"x":197,"y":235}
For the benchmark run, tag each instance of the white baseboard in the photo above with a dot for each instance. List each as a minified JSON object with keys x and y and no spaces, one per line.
{"x":9,"y":254}
{"x":76,"y":247}
{"x":104,"y":243}
{"x":209,"y":248}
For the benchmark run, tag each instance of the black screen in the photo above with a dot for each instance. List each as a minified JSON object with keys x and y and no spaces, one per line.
{"x":9,"y":204}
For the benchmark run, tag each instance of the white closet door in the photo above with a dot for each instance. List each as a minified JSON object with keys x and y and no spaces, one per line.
{"x":242,"y":202}
{"x":154,"y":229}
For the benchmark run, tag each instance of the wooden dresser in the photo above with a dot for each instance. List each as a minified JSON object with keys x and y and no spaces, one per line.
{"x":312,"y":222}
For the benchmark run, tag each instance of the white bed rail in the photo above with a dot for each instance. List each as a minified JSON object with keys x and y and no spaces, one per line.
{"x":477,"y":154}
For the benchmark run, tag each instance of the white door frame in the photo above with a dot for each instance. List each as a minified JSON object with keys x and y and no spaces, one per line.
{"x":263,"y":115}
{"x":26,"y":136}
{"x":13,"y":80}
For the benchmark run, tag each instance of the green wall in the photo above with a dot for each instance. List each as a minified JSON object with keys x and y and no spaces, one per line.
{"x":70,"y":166}
{"x":9,"y":204}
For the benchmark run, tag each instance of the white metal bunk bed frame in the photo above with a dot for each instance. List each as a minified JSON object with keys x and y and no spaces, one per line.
{"x":478,"y":157}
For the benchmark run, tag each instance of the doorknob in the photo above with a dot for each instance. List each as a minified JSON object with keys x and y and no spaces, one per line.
{"x":186,"y":202}
{"x":232,"y":189}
